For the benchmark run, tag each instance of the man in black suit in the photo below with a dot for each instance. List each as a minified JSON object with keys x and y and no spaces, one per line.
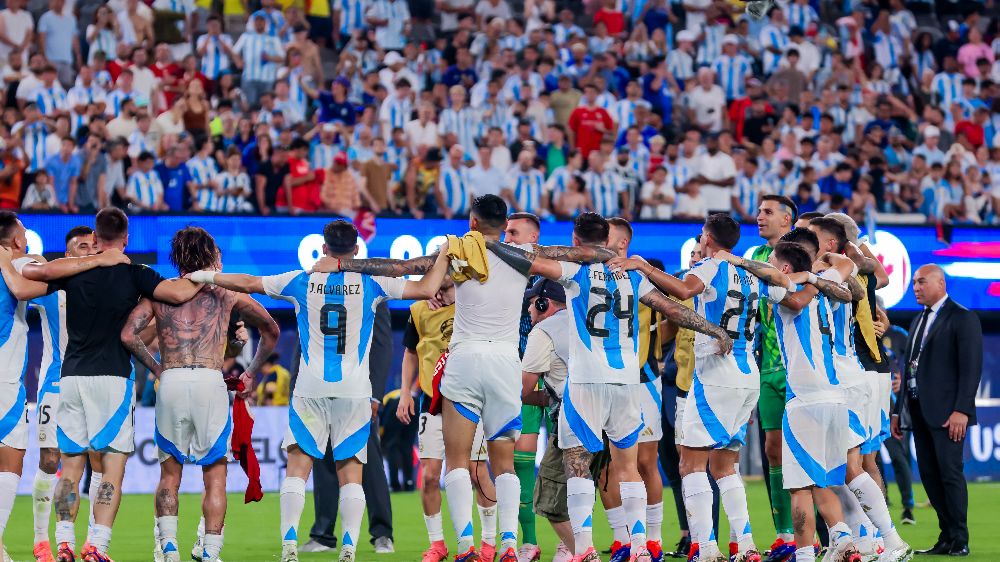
{"x":944,"y":356}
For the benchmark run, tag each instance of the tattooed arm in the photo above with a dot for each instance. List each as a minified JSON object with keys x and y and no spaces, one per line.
{"x":867,"y":263}
{"x":857,"y":291}
{"x":687,"y":318}
{"x":684,"y":289}
{"x":578,"y":254}
{"x":835,"y":291}
{"x":383,"y":267}
{"x":525,"y":261}
{"x":259,"y":318}
{"x":764,"y":271}
{"x":131,"y":335}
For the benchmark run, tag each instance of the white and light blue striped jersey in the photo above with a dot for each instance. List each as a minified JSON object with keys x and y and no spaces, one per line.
{"x":13,"y":333}
{"x":145,"y":187}
{"x":558,"y":182}
{"x":274,"y":18}
{"x":464,"y":124}
{"x":513,"y":87}
{"x":52,"y":310}
{"x":50,"y":100}
{"x":801,"y":16}
{"x":396,"y":112}
{"x":604,"y":330}
{"x":335,"y":313}
{"x":203,"y":170}
{"x":731,"y":300}
{"x":887,"y":49}
{"x":600,"y":45}
{"x":509,"y":129}
{"x":236,"y":202}
{"x":397,"y":155}
{"x":748,"y":191}
{"x":352,"y":15}
{"x":924,"y":61}
{"x":710,"y":48}
{"x":215,"y":61}
{"x":35,"y":146}
{"x":527,"y":188}
{"x":681,"y":65}
{"x":947,"y":88}
{"x":115,"y":98}
{"x":623,"y":112}
{"x":82,"y":95}
{"x":605,"y":188}
{"x":805,"y":338}
{"x":638,"y":160}
{"x":252,"y":47}
{"x":209,"y":201}
{"x":516,"y":43}
{"x":772,"y":36}
{"x":850,"y":372}
{"x":731,"y":74}
{"x":321,"y":155}
{"x":397,"y":15}
{"x":456,"y":186}
{"x":139,"y":142}
{"x":105,"y":42}
{"x":678,"y":174}
{"x":564,"y":33}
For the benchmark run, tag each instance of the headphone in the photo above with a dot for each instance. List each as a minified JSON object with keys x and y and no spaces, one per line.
{"x":542,"y":303}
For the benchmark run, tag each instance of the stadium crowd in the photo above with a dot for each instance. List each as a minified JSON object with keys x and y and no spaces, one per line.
{"x":654,"y":109}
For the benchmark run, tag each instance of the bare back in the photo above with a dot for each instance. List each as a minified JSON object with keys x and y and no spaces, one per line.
{"x":195,"y":333}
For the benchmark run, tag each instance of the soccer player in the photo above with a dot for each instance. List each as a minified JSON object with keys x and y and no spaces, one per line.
{"x":52,"y":312}
{"x":725,"y":388}
{"x":600,"y":398}
{"x":775,"y":217}
{"x":544,"y":361}
{"x":97,"y":387}
{"x":331,"y":402}
{"x":482,"y":377}
{"x":815,"y":423}
{"x":426,"y":338}
{"x":193,"y":423}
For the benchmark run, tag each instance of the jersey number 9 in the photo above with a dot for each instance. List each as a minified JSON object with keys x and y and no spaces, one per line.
{"x":336,"y":328}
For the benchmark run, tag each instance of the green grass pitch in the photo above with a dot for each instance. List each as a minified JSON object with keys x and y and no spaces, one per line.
{"x":252,"y":530}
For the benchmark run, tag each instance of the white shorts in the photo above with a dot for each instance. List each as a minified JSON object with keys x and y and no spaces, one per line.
{"x":193,"y":421}
{"x":96,"y":413}
{"x":812,"y":444}
{"x":342,"y":423}
{"x":430,"y":439}
{"x":483,"y":380}
{"x":651,"y":405}
{"x":46,"y":408}
{"x":716,"y":417}
{"x":858,"y":399}
{"x":591,"y":410}
{"x":679,"y":404}
{"x":13,"y":415}
{"x":873,"y":417}
{"x":884,"y":405}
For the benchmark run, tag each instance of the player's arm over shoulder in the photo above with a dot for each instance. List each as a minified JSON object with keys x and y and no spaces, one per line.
{"x":171,"y":291}
{"x":67,"y":267}
{"x":22,"y":288}
{"x":527,"y":260}
{"x":686,"y":318}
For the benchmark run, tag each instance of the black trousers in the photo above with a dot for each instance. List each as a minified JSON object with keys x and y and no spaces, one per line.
{"x":941,"y":466}
{"x":899,"y":453}
{"x":326,"y":495}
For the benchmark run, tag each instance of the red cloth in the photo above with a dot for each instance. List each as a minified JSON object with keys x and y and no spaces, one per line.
{"x":973,"y":132}
{"x":242,"y":444}
{"x":364,"y":221}
{"x":305,"y":196}
{"x":435,"y":407}
{"x":584,"y":122}
{"x":614,"y":20}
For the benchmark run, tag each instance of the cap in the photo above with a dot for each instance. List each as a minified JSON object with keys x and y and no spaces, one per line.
{"x":340,"y":159}
{"x":730,"y":39}
{"x":686,"y":35}
{"x":343,"y":81}
{"x":953,"y":26}
{"x":546,"y":289}
{"x":931,"y":131}
{"x":657,"y":139}
{"x":392,"y":57}
{"x":329,"y":128}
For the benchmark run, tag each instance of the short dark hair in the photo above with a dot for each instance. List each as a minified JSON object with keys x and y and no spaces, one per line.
{"x":833,"y":228}
{"x":193,"y":249}
{"x":340,"y":236}
{"x":591,"y":228}
{"x":621,"y":223}
{"x":803,"y":237}
{"x":491,"y":211}
{"x":78,"y":231}
{"x":724,"y":229}
{"x":782,"y":200}
{"x":808,"y":216}
{"x":145,"y":156}
{"x":794,"y":255}
{"x":111,"y":224}
{"x":530,"y":217}
{"x":8,"y":222}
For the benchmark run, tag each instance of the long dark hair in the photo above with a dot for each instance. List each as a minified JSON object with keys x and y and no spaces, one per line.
{"x":193,"y":249}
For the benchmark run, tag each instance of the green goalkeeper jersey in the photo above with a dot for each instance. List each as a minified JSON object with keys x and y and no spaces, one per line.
{"x":770,"y":361}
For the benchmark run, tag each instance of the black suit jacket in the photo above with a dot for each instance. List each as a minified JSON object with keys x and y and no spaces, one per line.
{"x":950,"y":366}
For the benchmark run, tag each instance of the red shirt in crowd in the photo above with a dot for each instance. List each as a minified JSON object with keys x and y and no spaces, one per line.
{"x":167,"y":74}
{"x":973,"y":132}
{"x":614,"y":20}
{"x":589,"y":125}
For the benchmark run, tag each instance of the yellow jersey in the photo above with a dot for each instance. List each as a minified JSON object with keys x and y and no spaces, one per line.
{"x":648,"y":320}
{"x":434,"y":330}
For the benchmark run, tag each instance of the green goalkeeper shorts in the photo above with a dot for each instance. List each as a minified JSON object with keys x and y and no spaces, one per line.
{"x":531,"y":419}
{"x":772,"y":400}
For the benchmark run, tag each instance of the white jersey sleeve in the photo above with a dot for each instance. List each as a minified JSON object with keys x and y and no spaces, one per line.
{"x":391,"y":286}
{"x":279,"y":286}
{"x":705,"y":270}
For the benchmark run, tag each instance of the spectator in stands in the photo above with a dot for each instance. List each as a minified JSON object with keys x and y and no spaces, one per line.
{"x":40,"y":195}
{"x":64,"y":171}
{"x":145,"y":191}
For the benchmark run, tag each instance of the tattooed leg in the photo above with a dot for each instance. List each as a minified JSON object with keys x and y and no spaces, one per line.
{"x":576,"y":461}
{"x":803,"y":518}
{"x":66,"y":499}
{"x":109,"y":495}
{"x":213,"y":504}
{"x":166,"y":502}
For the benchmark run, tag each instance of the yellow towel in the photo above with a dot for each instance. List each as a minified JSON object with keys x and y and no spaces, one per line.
{"x":468,"y":257}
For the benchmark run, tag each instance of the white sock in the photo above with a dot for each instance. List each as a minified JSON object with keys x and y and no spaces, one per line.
{"x":291,"y":502}
{"x":458,"y":486}
{"x":857,"y":522}
{"x":66,"y":534}
{"x":8,"y":491}
{"x":435,"y":527}
{"x":805,"y":554}
{"x":872,"y":500}
{"x":840,"y":533}
{"x":100,"y":538}
{"x":95,"y":483}
{"x":201,"y":530}
{"x":734,"y":500}
{"x":488,"y":521}
{"x":654,"y":522}
{"x":212,"y":545}
{"x":41,"y":501}
{"x":698,"y":501}
{"x":616,"y":520}
{"x":352,"y":509}
{"x":167,"y":525}
{"x":580,"y":496}
{"x":508,"y":504}
{"x":634,"y":503}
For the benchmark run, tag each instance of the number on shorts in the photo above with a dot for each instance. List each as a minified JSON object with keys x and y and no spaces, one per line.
{"x":43,"y":414}
{"x":339,"y":328}
{"x":741,"y":302}
{"x":423,"y":425}
{"x":612,"y":303}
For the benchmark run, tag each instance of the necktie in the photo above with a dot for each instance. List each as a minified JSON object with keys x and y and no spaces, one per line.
{"x":918,"y":342}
